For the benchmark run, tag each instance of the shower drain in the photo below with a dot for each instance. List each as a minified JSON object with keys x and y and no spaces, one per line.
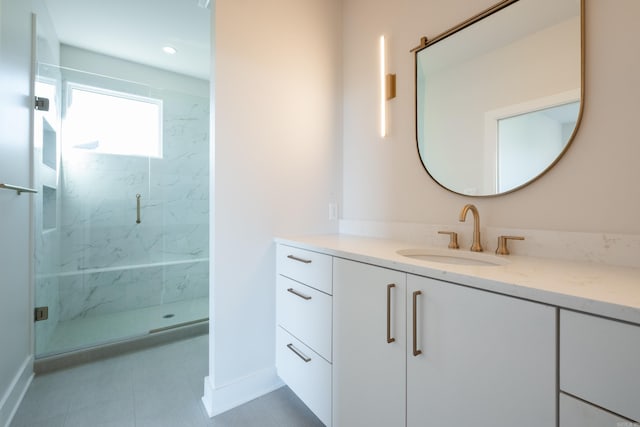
{"x":168,"y":316}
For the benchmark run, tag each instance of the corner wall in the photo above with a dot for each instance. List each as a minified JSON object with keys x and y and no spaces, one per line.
{"x":275,"y":151}
{"x":591,"y":189}
{"x":16,"y":354}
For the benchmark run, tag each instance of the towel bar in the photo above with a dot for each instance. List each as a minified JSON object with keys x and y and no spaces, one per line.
{"x":18,"y":189}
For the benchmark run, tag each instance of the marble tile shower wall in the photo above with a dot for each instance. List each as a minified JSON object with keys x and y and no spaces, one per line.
{"x":111,"y":291}
{"x":108,"y":263}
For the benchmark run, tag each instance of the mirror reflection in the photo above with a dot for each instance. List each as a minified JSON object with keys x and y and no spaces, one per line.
{"x":499,"y":100}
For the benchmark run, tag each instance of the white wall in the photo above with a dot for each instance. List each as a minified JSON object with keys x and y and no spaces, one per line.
{"x":594,"y":186}
{"x":16,"y":358}
{"x":277,"y":117}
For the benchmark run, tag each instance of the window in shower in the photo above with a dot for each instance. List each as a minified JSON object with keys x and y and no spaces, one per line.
{"x":112,"y":122}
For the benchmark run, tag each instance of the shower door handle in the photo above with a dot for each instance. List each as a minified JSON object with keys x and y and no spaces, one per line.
{"x":138,"y":208}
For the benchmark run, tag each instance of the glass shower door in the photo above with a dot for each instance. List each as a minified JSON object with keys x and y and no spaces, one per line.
{"x":46,"y":170}
{"x":122,"y":243}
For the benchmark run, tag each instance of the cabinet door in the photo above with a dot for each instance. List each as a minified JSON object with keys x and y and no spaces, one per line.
{"x":368,"y":371}
{"x":577,"y":413}
{"x":599,"y":362}
{"x":486,"y":359}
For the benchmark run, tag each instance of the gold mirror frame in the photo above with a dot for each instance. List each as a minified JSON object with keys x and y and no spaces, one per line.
{"x":425,"y":43}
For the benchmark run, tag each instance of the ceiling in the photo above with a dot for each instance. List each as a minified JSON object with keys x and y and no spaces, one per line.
{"x":137,"y":30}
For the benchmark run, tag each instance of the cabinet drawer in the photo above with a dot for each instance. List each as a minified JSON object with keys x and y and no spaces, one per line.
{"x":576,"y":413}
{"x":306,"y":314}
{"x":599,"y":362}
{"x":310,"y":379}
{"x":308,"y":267}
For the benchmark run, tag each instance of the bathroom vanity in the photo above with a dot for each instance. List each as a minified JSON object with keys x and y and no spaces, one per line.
{"x":383,"y":333}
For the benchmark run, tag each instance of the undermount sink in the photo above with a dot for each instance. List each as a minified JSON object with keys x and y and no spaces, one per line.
{"x":450,"y":256}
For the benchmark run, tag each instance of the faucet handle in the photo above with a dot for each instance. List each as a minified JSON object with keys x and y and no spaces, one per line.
{"x":453,"y":239}
{"x":502,"y":244}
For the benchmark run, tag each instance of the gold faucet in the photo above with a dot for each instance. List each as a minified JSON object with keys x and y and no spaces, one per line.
{"x":476,"y":246}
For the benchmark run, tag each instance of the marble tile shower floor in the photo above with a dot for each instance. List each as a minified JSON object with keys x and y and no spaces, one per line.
{"x":101,"y":329}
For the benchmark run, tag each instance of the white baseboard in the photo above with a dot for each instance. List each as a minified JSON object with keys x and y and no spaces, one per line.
{"x":222,"y":398}
{"x":16,"y":391}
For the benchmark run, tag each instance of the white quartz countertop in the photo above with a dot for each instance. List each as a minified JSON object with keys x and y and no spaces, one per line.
{"x":598,"y":289}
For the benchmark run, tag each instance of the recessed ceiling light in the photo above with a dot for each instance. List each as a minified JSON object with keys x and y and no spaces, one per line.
{"x":169,"y":50}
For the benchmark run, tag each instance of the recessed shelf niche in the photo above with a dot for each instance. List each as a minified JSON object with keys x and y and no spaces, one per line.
{"x":49,"y":146}
{"x":49,"y":208}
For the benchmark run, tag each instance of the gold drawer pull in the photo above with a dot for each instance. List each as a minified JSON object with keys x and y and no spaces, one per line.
{"x":390,"y":339}
{"x":295,"y":258}
{"x":298,"y":294}
{"x":298,"y":353}
{"x":416,"y":352}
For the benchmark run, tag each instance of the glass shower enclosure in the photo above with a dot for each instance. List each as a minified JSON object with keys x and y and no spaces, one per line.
{"x":122,"y":213}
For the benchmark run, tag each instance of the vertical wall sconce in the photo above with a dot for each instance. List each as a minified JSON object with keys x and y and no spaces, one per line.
{"x":387,"y":87}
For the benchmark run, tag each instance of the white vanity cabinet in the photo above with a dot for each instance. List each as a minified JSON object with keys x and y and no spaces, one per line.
{"x":303,"y":332}
{"x":367,"y":339}
{"x":600,"y":364}
{"x":480,"y":358}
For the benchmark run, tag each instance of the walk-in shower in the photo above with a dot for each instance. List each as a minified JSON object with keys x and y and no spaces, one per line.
{"x":122,"y":213}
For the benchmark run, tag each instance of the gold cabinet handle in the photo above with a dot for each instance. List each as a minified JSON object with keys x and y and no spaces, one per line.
{"x":298,"y":353}
{"x":390,"y":339}
{"x":416,"y":352}
{"x":295,"y":258}
{"x":298,"y":294}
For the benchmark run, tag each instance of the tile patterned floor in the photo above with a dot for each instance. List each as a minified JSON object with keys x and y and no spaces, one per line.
{"x":159,"y":387}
